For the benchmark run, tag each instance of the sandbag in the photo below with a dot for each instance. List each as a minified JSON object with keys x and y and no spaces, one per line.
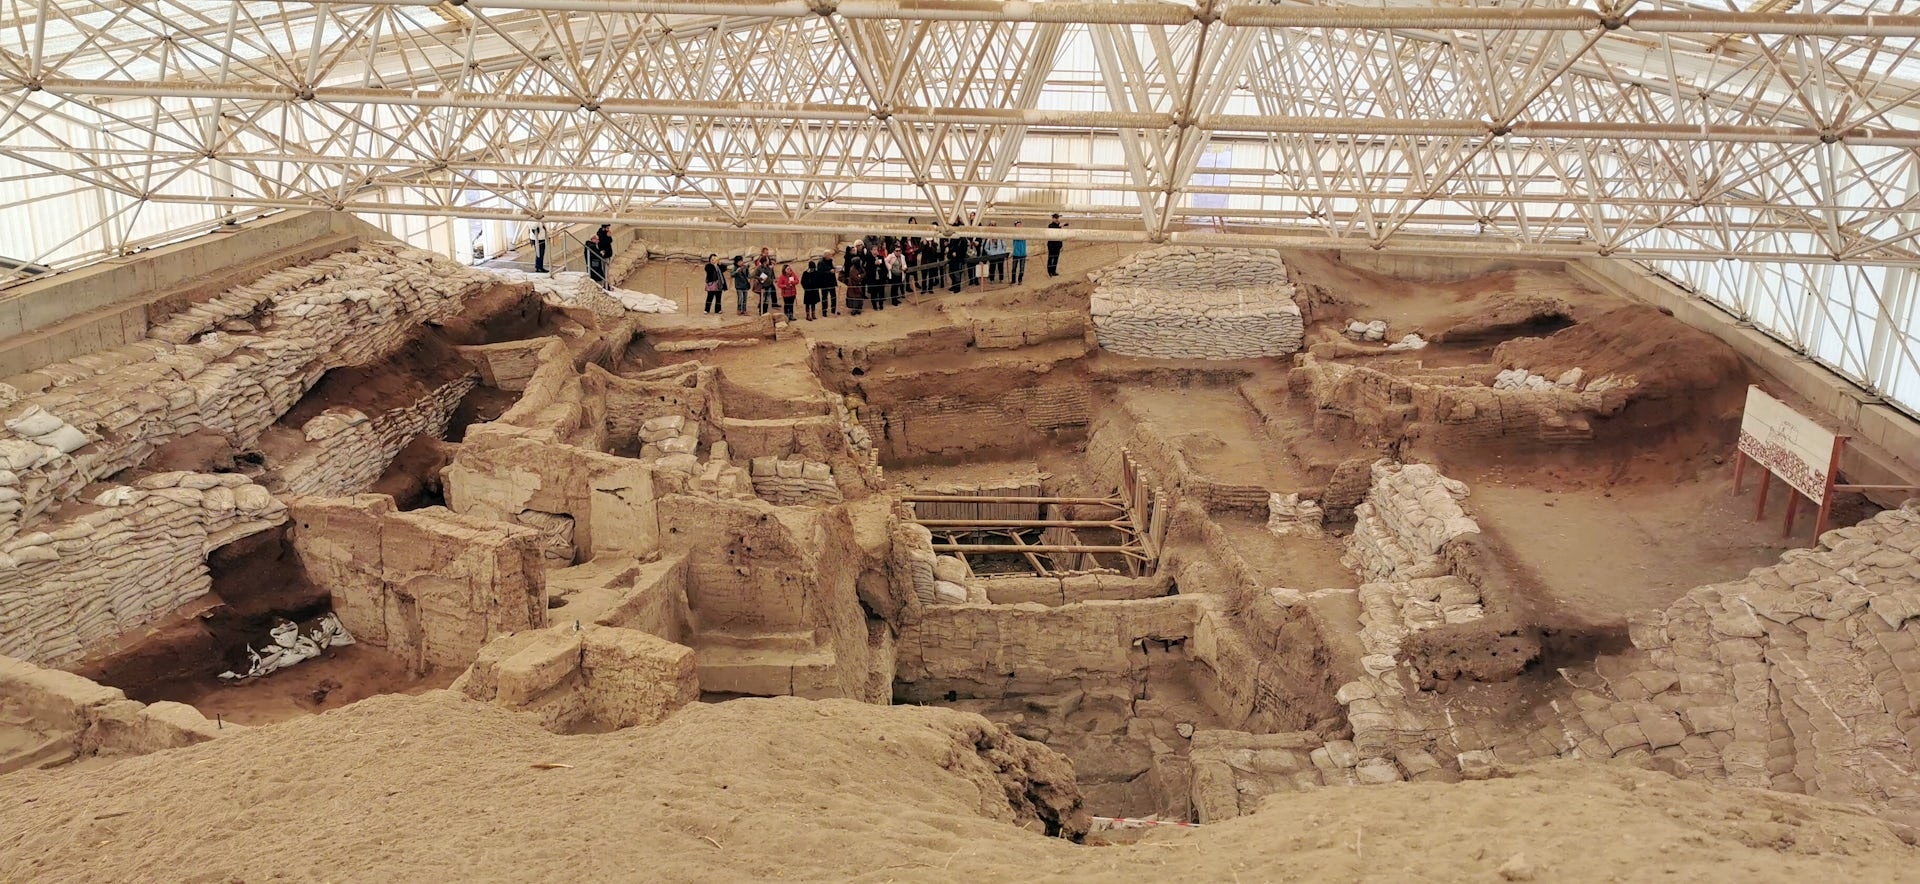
{"x":35,"y":421}
{"x":66,"y":440}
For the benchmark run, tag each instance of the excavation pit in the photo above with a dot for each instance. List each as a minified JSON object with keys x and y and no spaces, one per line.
{"x":1201,"y":581}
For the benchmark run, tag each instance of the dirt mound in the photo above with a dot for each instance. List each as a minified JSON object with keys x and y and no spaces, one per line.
{"x":1667,"y":357}
{"x":1685,"y":401}
{"x":1507,"y":314}
{"x":436,"y":787}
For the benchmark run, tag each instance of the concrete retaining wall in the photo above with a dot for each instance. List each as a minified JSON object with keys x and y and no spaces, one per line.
{"x":112,"y":302}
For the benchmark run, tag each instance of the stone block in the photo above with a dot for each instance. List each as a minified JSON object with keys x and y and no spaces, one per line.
{"x":634,"y":678}
{"x":542,"y":664}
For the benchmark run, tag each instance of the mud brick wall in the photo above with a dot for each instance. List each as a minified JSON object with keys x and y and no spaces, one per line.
{"x":1179,"y":302}
{"x":347,"y":451}
{"x":501,"y":472}
{"x":507,"y":365}
{"x":1011,"y":332}
{"x":934,"y":426}
{"x":1384,"y":405}
{"x":686,"y":389}
{"x":593,"y":678}
{"x":1169,"y":466}
{"x":96,"y":719}
{"x":557,"y":402}
{"x":788,"y":575}
{"x":841,"y":361}
{"x":138,"y":555}
{"x":996,"y":650}
{"x":1268,"y":658}
{"x":431,"y":586}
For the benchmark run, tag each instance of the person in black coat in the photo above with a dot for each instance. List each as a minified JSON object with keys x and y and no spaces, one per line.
{"x":956,"y":263}
{"x":599,"y":253}
{"x":716,"y":283}
{"x":1053,"y":248}
{"x":809,"y":296}
{"x":829,"y":287}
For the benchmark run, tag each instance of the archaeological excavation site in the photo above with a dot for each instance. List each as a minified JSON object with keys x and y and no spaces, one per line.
{"x":1186,"y":556}
{"x":960,"y":441}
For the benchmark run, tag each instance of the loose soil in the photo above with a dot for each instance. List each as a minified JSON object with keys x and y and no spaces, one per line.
{"x":342,"y":675}
{"x":1600,"y":557}
{"x":1221,"y":437}
{"x":434,"y":787}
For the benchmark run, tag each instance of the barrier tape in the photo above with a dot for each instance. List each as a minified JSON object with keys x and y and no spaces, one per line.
{"x":1120,"y":822}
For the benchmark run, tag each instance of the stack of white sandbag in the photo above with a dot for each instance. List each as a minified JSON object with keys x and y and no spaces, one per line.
{"x":1178,"y":302}
{"x":794,"y":482}
{"x":137,"y":553}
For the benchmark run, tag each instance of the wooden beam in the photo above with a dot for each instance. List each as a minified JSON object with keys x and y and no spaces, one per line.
{"x":1039,"y":548}
{"x":1023,"y":523}
{"x":1032,"y":559}
{"x":1064,"y":501}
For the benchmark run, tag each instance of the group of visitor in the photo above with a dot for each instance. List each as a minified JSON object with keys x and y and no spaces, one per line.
{"x":875,"y":272}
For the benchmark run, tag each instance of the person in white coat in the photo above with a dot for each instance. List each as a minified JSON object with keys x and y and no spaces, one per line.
{"x":537,"y":237}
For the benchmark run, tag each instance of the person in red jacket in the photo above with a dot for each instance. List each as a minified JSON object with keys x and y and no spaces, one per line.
{"x":789,"y":285}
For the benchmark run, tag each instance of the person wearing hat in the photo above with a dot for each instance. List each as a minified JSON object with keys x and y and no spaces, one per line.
{"x":1053,"y":247}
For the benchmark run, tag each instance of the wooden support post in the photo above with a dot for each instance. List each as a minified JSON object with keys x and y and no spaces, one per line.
{"x":1739,"y":470}
{"x":1826,"y":499}
{"x":1793,"y":507}
{"x":1766,"y":481}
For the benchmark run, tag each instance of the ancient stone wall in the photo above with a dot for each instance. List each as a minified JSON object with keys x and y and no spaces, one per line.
{"x":137,"y":554}
{"x":1178,"y":302}
{"x":431,"y":586}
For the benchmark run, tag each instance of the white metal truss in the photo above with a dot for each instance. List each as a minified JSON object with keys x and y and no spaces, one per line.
{"x":1783,"y":135}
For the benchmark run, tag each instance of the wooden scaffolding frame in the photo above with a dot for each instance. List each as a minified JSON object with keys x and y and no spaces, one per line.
{"x":1140,"y":520}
